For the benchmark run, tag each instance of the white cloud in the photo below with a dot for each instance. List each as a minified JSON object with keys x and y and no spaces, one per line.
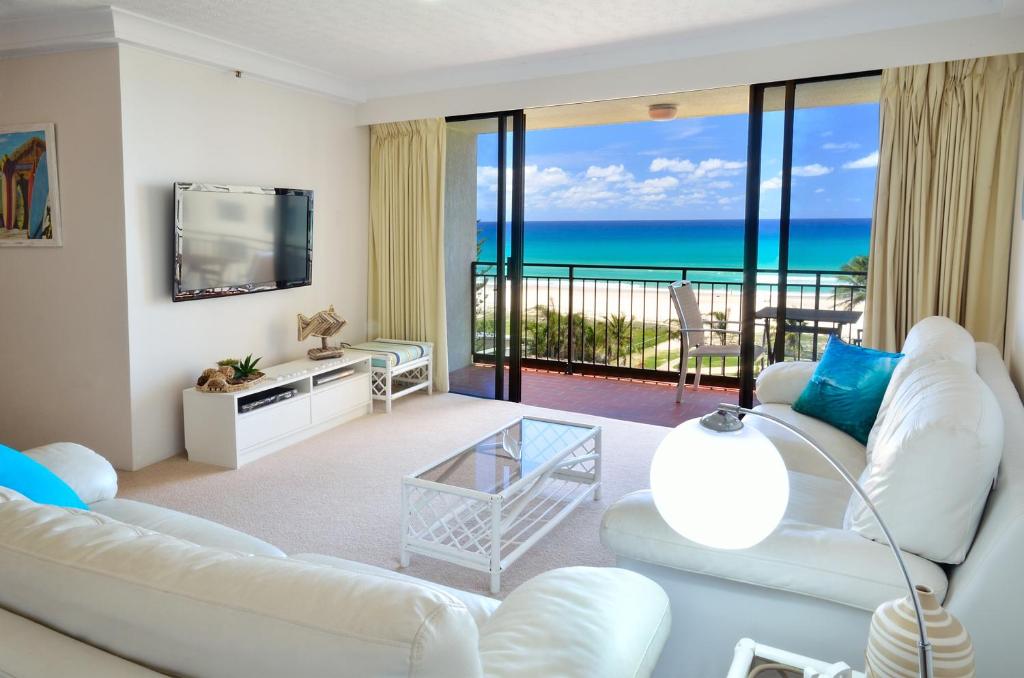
{"x":867,"y":162}
{"x":814,"y":170}
{"x":659,"y":185}
{"x":819,"y":190}
{"x":841,"y":146}
{"x":677,"y":165}
{"x":487,"y":177}
{"x":716,"y":167}
{"x":609,"y":173}
{"x":539,"y":180}
{"x":675,"y":182}
{"x":773,"y":184}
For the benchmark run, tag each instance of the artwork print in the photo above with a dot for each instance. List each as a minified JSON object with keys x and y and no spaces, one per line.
{"x":29,"y":206}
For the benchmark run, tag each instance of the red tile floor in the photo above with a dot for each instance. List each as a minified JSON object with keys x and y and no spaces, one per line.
{"x":647,"y":402}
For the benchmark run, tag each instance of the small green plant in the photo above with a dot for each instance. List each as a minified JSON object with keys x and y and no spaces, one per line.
{"x":227,"y":362}
{"x":246,"y":368}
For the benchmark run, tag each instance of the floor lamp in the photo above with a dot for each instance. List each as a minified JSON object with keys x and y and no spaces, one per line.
{"x":724,"y":485}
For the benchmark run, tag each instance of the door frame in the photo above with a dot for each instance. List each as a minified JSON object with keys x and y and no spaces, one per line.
{"x":508,"y":271}
{"x":752,"y":220}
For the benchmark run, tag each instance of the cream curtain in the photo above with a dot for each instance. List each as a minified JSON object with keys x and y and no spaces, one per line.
{"x":947,"y":181}
{"x":945,"y":195}
{"x":407,"y":161}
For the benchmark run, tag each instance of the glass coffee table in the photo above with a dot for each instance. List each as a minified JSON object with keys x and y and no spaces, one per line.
{"x":485,"y":505}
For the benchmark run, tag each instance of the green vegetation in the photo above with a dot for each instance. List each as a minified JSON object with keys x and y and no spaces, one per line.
{"x":246,"y":368}
{"x":855,"y":273}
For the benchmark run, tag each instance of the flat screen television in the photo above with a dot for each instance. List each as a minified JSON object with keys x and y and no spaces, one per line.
{"x":240,"y":239}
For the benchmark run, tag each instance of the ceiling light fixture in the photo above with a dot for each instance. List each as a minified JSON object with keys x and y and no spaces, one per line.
{"x":662,"y":112}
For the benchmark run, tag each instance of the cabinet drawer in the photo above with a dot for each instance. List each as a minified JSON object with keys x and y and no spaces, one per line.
{"x":271,"y":422}
{"x":340,"y":398}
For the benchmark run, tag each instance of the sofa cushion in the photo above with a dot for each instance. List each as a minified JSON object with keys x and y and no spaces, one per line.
{"x":846,"y":388}
{"x":184,"y":526}
{"x":611,"y":623}
{"x":931,"y":339}
{"x":185,"y":609}
{"x":784,"y":382}
{"x":809,"y":553}
{"x":44,"y":652}
{"x":89,"y":475}
{"x":7,"y":494}
{"x":797,"y":454}
{"x":481,"y":607}
{"x":27,"y":476}
{"x":933,"y":462}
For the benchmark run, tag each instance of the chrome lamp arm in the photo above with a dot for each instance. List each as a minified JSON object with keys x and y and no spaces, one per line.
{"x":726,"y":419}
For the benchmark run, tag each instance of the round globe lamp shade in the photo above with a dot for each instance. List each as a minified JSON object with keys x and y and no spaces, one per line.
{"x":726,"y":490}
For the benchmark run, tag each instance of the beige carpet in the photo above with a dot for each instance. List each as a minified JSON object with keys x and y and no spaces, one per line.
{"x":339,"y":493}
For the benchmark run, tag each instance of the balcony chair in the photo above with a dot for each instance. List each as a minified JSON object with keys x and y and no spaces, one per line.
{"x":696,"y":337}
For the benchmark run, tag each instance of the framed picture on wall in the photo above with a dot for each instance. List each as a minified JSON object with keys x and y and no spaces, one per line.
{"x":29,"y":204}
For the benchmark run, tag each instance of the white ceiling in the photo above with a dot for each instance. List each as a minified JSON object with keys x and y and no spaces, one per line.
{"x":390,"y":47}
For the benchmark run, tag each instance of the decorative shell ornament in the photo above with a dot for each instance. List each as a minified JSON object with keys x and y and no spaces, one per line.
{"x":323,"y":324}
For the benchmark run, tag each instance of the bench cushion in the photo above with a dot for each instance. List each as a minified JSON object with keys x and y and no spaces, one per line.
{"x":394,"y":352}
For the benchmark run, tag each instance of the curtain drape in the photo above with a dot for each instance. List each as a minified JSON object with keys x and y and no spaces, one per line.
{"x":407,"y":295}
{"x":944,"y":201}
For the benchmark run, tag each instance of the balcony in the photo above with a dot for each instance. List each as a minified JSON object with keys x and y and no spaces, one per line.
{"x":618,"y":322}
{"x":623,"y":323}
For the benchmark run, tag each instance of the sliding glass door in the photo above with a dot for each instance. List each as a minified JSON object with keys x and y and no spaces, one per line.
{"x":484,"y":253}
{"x":812,"y":152}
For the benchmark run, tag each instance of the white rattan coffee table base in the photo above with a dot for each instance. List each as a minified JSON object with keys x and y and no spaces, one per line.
{"x":489,"y":531}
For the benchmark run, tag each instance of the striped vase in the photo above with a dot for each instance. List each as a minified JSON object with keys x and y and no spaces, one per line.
{"x":892,"y":640}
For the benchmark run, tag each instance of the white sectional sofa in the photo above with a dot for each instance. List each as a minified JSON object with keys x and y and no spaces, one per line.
{"x":129,"y":589}
{"x":812,"y":585}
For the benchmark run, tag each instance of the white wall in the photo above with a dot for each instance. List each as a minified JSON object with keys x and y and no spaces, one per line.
{"x":460,"y":238}
{"x":63,"y":311}
{"x":971,"y":37}
{"x":187,"y":122}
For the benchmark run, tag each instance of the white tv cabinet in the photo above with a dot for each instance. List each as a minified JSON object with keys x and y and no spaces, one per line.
{"x":217,"y":433}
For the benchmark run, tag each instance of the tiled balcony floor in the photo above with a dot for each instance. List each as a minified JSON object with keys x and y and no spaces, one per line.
{"x":642,"y":401}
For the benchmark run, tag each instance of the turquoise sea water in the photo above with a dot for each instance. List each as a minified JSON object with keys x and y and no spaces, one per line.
{"x":818,"y":244}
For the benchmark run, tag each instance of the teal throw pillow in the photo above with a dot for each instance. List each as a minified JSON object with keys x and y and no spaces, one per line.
{"x":24,"y":474}
{"x":847,"y":387}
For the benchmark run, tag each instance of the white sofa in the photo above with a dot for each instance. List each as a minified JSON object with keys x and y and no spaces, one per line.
{"x":129,"y":589}
{"x":812,"y":586}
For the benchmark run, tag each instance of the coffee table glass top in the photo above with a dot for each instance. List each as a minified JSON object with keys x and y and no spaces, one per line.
{"x":496,"y":462}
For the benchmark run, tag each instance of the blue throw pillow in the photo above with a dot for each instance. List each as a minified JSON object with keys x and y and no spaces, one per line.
{"x":847,"y":387}
{"x":24,"y":474}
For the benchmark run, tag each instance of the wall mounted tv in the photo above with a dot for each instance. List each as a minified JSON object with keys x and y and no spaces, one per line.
{"x":240,"y":239}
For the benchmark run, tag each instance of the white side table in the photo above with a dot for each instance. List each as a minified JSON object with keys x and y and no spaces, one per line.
{"x":749,"y":654}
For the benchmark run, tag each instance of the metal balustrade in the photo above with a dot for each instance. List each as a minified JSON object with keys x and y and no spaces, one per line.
{"x":622,"y":322}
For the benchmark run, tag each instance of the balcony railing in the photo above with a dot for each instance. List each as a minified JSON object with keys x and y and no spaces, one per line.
{"x":619,"y":320}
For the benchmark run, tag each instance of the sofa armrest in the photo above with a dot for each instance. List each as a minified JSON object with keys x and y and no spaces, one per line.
{"x":577,"y":622}
{"x":784,"y":382}
{"x":89,"y":475}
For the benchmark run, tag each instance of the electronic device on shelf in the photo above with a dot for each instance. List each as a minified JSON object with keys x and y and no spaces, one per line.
{"x":264,"y":398}
{"x":333,"y":375}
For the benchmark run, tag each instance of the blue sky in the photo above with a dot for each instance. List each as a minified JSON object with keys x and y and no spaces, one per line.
{"x":692,"y":168}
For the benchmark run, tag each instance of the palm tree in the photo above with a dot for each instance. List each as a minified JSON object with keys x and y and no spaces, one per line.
{"x":618,"y":335}
{"x":719,"y":322}
{"x":856,"y":276}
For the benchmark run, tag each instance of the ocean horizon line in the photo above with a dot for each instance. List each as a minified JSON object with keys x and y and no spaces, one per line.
{"x":675,"y":221}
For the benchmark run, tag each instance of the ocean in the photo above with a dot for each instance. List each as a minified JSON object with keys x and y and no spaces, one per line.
{"x":818,"y":244}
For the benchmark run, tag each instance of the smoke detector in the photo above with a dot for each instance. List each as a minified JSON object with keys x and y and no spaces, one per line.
{"x":662,"y":111}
